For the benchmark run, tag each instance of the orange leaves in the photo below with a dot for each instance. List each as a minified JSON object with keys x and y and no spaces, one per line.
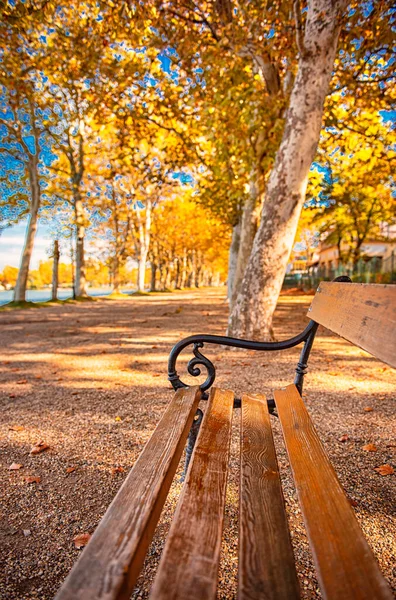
{"x":39,"y":447}
{"x":21,"y":381}
{"x":16,"y":428}
{"x":33,"y":479}
{"x":70,"y":469}
{"x":15,"y":467}
{"x":384,"y":470}
{"x":344,"y":438}
{"x":81,"y":540}
{"x":115,"y":470}
{"x":368,"y":409}
{"x":370,"y":448}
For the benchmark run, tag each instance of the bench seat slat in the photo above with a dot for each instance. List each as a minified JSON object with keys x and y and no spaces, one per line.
{"x":110,"y":564}
{"x":345,"y":565}
{"x":266,"y":560}
{"x":189,"y":565}
{"x":362,"y":313}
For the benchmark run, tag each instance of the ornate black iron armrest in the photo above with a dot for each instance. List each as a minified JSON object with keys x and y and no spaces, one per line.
{"x":307,"y":337}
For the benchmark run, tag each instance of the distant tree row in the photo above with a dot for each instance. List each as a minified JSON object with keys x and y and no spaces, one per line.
{"x":115,"y":116}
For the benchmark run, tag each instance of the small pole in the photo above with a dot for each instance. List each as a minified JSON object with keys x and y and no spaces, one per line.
{"x":55,"y":271}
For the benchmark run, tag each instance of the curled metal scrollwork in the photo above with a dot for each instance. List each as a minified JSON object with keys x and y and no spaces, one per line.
{"x":193,"y":366}
{"x":200,"y":359}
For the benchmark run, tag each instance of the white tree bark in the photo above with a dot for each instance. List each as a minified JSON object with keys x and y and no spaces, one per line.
{"x":254,"y":307}
{"x":55,"y":271}
{"x":248,"y":230}
{"x":35,"y":198}
{"x":80,"y":284}
{"x":233,"y":258}
{"x":144,"y":243}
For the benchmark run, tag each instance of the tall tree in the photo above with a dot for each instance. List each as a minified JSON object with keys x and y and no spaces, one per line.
{"x":317,"y":40}
{"x":25,"y":110}
{"x":350,"y":191}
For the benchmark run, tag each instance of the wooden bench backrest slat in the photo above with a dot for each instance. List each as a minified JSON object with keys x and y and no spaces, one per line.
{"x":266,"y":560}
{"x":345,"y":565}
{"x":189,"y":565}
{"x":110,"y":564}
{"x":364,"y":314}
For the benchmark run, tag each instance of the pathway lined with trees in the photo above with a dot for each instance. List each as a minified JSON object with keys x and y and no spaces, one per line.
{"x":168,"y":135}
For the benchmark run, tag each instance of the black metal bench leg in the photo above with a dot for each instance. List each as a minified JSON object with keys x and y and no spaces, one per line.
{"x":192,"y":437}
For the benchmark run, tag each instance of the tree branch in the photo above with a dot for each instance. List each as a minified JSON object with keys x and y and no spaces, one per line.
{"x":299,"y":28}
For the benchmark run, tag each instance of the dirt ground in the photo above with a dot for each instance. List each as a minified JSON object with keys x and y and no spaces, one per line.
{"x":89,"y":380}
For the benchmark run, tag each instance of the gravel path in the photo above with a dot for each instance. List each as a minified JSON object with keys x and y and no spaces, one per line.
{"x":89,"y":380}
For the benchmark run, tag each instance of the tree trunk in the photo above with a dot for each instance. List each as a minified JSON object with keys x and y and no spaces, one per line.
{"x":23,"y":274}
{"x":80,"y":281}
{"x":144,"y":242}
{"x":141,"y":271}
{"x":248,"y":231}
{"x":254,"y":307}
{"x":55,"y":271}
{"x":116,"y":275}
{"x":232,"y":258}
{"x":161,"y":276}
{"x":168,"y":278}
{"x":184,"y":270}
{"x":153,"y":277}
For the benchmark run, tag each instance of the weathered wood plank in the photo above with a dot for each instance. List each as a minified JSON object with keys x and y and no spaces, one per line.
{"x":266,"y":560}
{"x":346,"y":567}
{"x":189,"y":566}
{"x":110,"y":564}
{"x":364,"y":314}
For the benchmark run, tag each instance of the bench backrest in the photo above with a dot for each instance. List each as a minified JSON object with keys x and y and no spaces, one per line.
{"x":364,"y":314}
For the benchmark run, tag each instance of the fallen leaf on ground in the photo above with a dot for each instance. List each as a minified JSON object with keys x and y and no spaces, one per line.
{"x":33,"y":479}
{"x":21,"y":381}
{"x":385,"y":470}
{"x":368,"y":409}
{"x":343,"y":438}
{"x":118,"y":419}
{"x":38,"y":376}
{"x":12,"y":396}
{"x":26,"y":532}
{"x":81,"y":540}
{"x":352,"y":502}
{"x":15,"y":467}
{"x":117,"y":470}
{"x":16,"y":428}
{"x":39,"y":447}
{"x":70,"y":469}
{"x":370,"y":448}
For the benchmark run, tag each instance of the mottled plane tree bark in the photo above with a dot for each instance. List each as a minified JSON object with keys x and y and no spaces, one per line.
{"x":317,"y":44}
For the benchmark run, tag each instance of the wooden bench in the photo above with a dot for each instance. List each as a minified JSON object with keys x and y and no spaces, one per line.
{"x":110,"y":564}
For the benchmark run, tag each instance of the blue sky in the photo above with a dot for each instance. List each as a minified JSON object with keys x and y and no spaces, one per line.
{"x":11,"y":244}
